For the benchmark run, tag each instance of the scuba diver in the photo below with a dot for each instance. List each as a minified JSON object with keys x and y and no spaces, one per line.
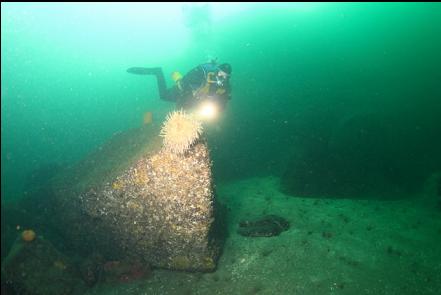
{"x":206,"y":86}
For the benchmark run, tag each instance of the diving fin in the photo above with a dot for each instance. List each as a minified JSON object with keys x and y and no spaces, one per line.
{"x":143,"y":71}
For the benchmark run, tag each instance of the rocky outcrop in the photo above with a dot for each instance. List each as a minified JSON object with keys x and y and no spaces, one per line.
{"x":132,"y":198}
{"x":37,"y":267}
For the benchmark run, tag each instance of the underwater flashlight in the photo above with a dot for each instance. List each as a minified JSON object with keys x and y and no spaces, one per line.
{"x":207,"y":110}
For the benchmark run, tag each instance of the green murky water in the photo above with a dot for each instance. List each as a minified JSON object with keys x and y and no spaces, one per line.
{"x":358,"y":81}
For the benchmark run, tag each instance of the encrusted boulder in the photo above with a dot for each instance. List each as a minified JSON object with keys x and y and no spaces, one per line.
{"x":35,"y":266}
{"x":133,"y":198}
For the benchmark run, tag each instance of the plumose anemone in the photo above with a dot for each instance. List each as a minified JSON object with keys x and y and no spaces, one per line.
{"x":180,"y":130}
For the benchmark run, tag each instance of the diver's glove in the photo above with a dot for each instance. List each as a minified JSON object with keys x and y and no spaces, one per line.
{"x":144,"y":71}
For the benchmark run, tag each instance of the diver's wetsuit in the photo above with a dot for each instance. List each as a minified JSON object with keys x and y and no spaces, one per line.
{"x":201,"y":82}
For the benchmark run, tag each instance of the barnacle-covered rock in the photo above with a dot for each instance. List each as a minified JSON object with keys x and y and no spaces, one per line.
{"x":134,"y":198}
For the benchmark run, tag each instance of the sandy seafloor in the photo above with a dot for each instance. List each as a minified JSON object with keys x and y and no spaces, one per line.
{"x":334,"y":246}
